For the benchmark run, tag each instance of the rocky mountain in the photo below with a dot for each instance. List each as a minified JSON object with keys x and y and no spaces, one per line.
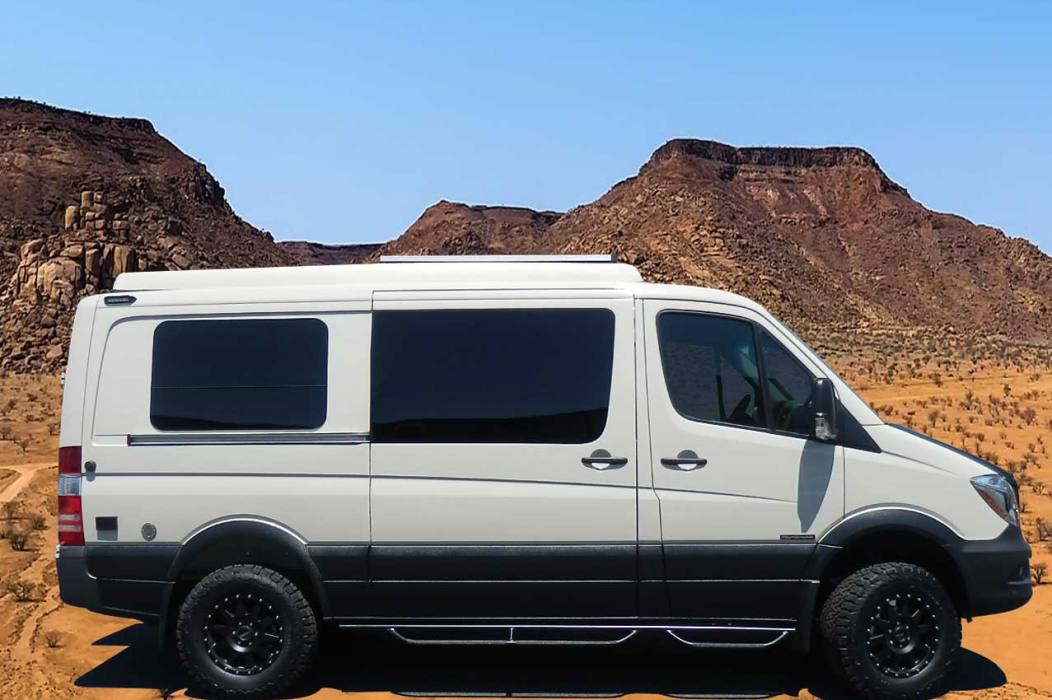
{"x":308,"y":253}
{"x":819,"y":235}
{"x":460,"y":229}
{"x":84,"y":198}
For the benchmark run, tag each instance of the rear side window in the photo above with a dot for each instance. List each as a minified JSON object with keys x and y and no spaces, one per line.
{"x":491,"y":375}
{"x":257,"y":374}
{"x":711,"y":370}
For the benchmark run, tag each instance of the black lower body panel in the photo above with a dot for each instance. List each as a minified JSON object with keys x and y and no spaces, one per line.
{"x":737,"y":581}
{"x":520,"y":581}
{"x":124,"y":597}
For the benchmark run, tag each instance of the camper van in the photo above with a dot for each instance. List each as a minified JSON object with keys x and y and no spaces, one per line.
{"x":505,"y":449}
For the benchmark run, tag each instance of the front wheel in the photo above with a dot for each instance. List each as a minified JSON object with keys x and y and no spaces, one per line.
{"x":891,"y":631}
{"x":246,"y":631}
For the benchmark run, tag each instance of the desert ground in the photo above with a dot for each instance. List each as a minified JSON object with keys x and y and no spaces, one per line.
{"x":992,"y":399}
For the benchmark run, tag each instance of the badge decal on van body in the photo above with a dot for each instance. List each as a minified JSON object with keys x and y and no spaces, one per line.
{"x":798,"y":538}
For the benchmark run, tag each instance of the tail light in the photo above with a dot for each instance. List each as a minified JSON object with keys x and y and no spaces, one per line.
{"x":70,"y":521}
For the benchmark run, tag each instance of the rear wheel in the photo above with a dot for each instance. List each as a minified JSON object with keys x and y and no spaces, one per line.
{"x":891,"y":631}
{"x":246,"y":631}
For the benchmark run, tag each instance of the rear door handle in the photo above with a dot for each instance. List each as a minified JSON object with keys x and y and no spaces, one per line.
{"x":601,"y":459}
{"x":685,"y":461}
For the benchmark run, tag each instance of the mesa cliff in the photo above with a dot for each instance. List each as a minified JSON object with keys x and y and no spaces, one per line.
{"x":821,"y":236}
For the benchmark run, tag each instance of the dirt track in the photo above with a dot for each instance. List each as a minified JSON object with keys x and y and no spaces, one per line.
{"x":25,"y":476}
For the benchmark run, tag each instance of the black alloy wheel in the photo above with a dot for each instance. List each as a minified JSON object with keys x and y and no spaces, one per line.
{"x":243,"y":633}
{"x":903,"y":634}
{"x":246,"y":631}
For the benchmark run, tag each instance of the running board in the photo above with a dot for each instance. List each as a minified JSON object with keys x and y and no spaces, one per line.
{"x":519,"y":636}
{"x":730,"y":637}
{"x":697,"y":636}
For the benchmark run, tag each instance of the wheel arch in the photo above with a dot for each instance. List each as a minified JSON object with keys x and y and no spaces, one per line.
{"x":889,"y":534}
{"x":242,"y":540}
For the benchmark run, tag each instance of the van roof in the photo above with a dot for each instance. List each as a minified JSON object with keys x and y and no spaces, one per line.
{"x":508,"y":270}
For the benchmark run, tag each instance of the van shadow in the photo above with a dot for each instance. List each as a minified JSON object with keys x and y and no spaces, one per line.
{"x":374,"y":662}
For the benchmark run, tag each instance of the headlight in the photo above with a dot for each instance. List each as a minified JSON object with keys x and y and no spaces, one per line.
{"x":998,"y":493}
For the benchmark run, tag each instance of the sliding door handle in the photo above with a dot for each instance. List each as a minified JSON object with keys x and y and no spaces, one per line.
{"x":601,"y":459}
{"x":685,"y":461}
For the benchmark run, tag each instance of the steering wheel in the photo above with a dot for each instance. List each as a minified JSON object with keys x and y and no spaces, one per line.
{"x":738,"y":415}
{"x":783,"y":414}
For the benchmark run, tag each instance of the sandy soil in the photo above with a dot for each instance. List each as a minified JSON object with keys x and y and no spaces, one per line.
{"x":6,"y":477}
{"x":979,"y":398}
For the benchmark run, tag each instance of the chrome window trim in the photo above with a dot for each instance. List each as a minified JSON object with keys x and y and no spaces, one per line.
{"x":172,"y":439}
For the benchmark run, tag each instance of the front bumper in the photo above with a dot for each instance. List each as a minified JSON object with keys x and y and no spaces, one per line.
{"x":995,"y":573}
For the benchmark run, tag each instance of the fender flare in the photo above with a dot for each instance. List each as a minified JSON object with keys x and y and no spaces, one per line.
{"x":246,"y":540}
{"x":874,"y":521}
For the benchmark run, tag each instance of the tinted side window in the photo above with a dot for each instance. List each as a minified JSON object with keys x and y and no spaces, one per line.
{"x":789,"y":387}
{"x":491,"y":375}
{"x":257,"y":374}
{"x":710,"y":368}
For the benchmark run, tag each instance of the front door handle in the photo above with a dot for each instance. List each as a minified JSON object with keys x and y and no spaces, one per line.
{"x":685,"y":461}
{"x":601,"y":459}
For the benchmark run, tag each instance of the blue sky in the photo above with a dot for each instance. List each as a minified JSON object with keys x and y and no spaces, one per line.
{"x":343,"y":121}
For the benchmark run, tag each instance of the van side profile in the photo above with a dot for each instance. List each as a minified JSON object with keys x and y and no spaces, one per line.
{"x":537,"y":449}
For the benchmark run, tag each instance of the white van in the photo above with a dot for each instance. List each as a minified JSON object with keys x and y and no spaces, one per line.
{"x":505,"y":449}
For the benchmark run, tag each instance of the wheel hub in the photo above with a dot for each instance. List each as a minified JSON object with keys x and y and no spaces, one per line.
{"x":903,"y":634}
{"x":243,"y":633}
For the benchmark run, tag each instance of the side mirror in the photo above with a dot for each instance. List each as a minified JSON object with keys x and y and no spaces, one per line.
{"x":825,"y":419}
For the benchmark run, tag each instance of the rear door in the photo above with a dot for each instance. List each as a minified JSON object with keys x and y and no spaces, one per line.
{"x":743,"y":489}
{"x":503,"y":457}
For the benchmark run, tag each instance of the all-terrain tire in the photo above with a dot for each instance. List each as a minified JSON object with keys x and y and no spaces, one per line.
{"x":288,"y":617}
{"x":863,"y":648}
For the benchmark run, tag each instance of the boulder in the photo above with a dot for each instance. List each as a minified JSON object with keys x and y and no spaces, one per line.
{"x":93,"y":261}
{"x":70,"y":219}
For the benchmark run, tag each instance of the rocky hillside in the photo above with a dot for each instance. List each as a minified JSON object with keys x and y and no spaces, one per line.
{"x":83,"y":198}
{"x":821,"y":236}
{"x":307,"y":253}
{"x":453,"y":228}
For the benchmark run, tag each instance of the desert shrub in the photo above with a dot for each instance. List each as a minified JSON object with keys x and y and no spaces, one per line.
{"x":1044,"y":530}
{"x":21,"y":591}
{"x":9,"y":510}
{"x":37,"y":521}
{"x":53,"y":639}
{"x":1039,"y":570}
{"x":17,"y":538}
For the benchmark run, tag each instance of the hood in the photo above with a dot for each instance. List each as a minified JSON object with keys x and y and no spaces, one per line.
{"x":916,"y":446}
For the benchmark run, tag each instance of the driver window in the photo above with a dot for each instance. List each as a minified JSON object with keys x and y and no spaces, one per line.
{"x":789,"y":387}
{"x":710,"y":368}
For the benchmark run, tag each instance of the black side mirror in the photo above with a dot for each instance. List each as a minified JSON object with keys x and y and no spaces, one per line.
{"x":824,"y":425}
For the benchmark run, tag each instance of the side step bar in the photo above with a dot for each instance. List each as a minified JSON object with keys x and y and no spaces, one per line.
{"x":524,"y":636}
{"x":701,"y":636}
